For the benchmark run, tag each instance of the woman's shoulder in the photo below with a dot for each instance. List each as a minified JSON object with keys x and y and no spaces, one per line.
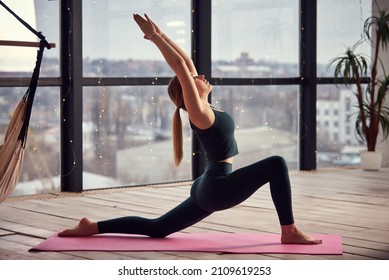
{"x":206,"y":122}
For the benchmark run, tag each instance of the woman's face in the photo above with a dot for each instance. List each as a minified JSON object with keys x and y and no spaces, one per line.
{"x":203,"y":86}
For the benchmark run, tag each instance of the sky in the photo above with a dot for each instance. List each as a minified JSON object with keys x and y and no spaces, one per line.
{"x":266,"y":29}
{"x":10,"y":29}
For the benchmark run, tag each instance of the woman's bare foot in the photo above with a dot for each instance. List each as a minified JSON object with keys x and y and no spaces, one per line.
{"x":290,"y":234}
{"x":84,"y":228}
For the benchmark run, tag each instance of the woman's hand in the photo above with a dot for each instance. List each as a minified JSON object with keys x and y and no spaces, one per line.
{"x":146,"y":25}
{"x":157,"y":29}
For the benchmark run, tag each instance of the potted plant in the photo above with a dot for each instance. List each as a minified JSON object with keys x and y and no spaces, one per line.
{"x":353,"y":68}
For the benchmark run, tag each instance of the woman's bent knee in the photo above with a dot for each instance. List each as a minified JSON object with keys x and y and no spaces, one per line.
{"x":277,"y":161}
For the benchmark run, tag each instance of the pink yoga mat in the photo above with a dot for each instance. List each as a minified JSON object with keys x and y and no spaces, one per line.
{"x":240,"y":243}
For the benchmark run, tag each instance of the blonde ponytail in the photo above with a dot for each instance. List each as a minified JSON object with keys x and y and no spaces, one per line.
{"x":175,"y":94}
{"x":177,"y":137}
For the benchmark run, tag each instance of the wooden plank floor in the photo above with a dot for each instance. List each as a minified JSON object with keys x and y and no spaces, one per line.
{"x":349,"y":202}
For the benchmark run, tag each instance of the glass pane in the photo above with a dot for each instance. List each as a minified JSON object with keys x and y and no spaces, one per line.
{"x":41,"y":165}
{"x":255,"y":38}
{"x":266,"y":121}
{"x":43,"y":16}
{"x":339,"y":25}
{"x":338,"y":29}
{"x":113,"y":44}
{"x":127,"y":137}
{"x":336,"y":138}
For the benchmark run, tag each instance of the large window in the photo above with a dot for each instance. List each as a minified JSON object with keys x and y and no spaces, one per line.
{"x":337,"y":142}
{"x":127,"y":130}
{"x":266,"y":121}
{"x":41,"y":166}
{"x":43,"y":16}
{"x":257,"y":39}
{"x":127,"y":137}
{"x":112,"y":42}
{"x":254,"y":56}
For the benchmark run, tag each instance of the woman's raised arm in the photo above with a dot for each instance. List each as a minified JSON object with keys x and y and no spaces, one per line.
{"x":188,"y":60}
{"x":183,"y":67}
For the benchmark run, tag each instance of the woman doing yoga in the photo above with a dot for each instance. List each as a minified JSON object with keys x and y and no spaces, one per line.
{"x":219,"y":187}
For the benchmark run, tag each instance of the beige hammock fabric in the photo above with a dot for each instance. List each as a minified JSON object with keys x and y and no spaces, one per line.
{"x":12,"y":151}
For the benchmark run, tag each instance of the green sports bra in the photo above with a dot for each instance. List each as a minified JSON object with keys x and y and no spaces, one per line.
{"x":218,"y":141}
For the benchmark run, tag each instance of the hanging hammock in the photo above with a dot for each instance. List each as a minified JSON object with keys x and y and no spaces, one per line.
{"x":12,"y":151}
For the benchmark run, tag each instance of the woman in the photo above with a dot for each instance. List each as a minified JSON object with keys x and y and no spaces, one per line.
{"x":218,"y":188}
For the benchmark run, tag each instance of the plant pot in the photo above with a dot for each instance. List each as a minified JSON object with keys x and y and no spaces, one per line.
{"x":370,"y":161}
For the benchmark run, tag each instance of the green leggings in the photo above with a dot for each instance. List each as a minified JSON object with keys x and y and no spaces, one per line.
{"x":217,"y":189}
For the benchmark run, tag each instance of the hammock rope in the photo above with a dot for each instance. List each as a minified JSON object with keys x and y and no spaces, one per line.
{"x":30,"y":94}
